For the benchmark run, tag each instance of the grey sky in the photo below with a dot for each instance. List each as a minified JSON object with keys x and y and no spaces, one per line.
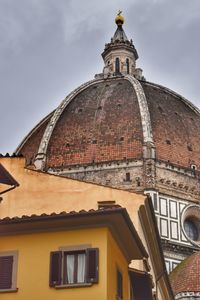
{"x":49,"y":47}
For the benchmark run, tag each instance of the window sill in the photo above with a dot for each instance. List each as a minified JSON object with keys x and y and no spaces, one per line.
{"x":13,"y":290}
{"x":74,"y":285}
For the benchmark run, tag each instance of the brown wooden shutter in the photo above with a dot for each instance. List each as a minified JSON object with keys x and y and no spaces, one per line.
{"x":141,"y":285}
{"x":6,"y":267}
{"x":92,"y":270}
{"x":55,"y":268}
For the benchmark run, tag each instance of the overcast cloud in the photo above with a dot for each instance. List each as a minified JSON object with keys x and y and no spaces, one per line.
{"x":49,"y":47}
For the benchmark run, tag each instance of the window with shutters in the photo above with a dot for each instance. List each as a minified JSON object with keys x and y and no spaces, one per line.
{"x":74,"y":267}
{"x":8,"y":271}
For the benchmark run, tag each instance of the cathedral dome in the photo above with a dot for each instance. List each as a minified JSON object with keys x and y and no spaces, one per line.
{"x":102,"y":122}
{"x":185,"y":278}
{"x":117,"y":117}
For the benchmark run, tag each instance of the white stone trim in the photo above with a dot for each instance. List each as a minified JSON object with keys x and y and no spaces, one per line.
{"x":188,"y":295}
{"x":144,"y":110}
{"x":96,"y":167}
{"x":41,"y":155}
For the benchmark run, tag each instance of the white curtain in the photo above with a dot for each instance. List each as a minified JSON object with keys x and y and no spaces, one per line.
{"x":81,"y":268}
{"x":70,"y":268}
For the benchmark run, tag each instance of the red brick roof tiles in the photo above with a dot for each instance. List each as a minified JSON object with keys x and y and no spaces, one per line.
{"x":186,"y":276}
{"x":63,"y":213}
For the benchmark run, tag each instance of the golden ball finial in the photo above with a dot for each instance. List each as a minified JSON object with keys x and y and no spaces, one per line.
{"x":119,"y":20}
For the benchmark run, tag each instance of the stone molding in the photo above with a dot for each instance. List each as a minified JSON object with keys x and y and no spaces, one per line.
{"x":176,"y":248}
{"x":96,"y":167}
{"x":188,"y":296}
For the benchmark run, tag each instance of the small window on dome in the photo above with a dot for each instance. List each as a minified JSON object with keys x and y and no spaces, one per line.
{"x":127,"y":65}
{"x":117,"y":65}
{"x":128,"y":176}
{"x":193,"y":167}
{"x":168,"y":142}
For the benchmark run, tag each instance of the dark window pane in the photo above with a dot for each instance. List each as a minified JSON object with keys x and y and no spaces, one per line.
{"x":119,"y":284}
{"x":191,"y":230}
{"x":128,"y":177}
{"x":117,"y":65}
{"x":127,"y":65}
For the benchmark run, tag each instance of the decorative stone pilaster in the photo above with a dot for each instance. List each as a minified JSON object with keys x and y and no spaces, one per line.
{"x":148,"y":143}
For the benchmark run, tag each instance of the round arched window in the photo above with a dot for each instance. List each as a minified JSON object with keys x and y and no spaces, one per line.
{"x":191,"y":230}
{"x":191,"y":223}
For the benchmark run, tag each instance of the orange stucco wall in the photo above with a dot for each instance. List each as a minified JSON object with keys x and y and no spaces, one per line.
{"x":44,"y":193}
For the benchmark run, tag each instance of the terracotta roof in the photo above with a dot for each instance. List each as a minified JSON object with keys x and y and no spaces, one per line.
{"x":186,"y":276}
{"x":116,"y":218}
{"x":43,"y":216}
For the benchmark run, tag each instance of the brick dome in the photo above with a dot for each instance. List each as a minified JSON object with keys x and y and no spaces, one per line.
{"x":185,"y":278}
{"x":102,"y":122}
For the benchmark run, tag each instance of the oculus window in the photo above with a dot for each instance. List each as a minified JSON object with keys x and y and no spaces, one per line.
{"x":191,"y":224}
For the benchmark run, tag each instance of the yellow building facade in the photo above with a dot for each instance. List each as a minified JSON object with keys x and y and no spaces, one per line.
{"x":48,"y":214}
{"x":33,"y":265}
{"x":33,"y":241}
